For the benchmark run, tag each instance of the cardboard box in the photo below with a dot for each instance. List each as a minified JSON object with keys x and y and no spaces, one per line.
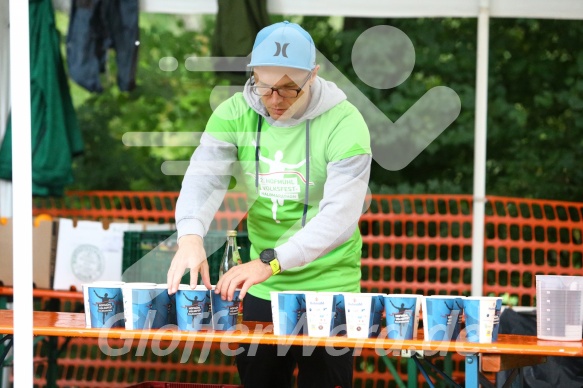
{"x":88,"y":252}
{"x":43,"y":254}
{"x":50,"y":243}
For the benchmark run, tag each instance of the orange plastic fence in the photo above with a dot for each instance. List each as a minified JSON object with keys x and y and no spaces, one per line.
{"x":526,"y":237}
{"x":417,"y":244}
{"x":106,"y":205}
{"x":414,"y":244}
{"x":133,"y":206}
{"x":411,"y":244}
{"x":83,"y":364}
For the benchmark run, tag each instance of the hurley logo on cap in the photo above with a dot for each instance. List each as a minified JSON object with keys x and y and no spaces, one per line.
{"x":279,"y":49}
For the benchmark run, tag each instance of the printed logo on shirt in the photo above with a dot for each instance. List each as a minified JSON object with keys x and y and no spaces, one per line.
{"x":282,"y":181}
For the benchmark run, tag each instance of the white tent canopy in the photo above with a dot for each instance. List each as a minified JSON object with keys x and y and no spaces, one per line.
{"x":20,"y":98}
{"x":535,"y":9}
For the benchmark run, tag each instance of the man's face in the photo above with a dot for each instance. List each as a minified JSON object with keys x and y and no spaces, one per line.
{"x":281,"y":108}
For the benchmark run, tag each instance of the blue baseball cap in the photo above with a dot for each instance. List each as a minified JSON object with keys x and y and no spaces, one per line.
{"x":284,"y":44}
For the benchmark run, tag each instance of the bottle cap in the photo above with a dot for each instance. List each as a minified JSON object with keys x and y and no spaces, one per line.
{"x":231,"y":233}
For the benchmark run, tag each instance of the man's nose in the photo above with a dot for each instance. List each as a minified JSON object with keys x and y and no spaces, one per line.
{"x":275,"y":97}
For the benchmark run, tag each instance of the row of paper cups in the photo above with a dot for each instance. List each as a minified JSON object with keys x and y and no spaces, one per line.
{"x":360,"y":315}
{"x":149,"y":306}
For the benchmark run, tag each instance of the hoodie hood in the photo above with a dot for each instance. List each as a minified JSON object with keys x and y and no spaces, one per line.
{"x":325,"y":95}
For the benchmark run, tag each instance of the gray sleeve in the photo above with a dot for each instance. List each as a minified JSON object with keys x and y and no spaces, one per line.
{"x":204,"y":185}
{"x":339,"y":212}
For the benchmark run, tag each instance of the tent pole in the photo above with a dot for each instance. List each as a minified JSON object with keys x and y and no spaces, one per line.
{"x":480,"y":141}
{"x":22,"y":192}
{"x":5,"y":186}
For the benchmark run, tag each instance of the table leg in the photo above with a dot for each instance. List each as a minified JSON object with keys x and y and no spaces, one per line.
{"x":411,"y":373}
{"x":392,"y":369}
{"x":52,"y":356}
{"x":423,"y":372}
{"x":5,"y":345}
{"x":512,"y":379}
{"x":3,"y":302}
{"x":472,"y":370}
{"x":448,"y":364}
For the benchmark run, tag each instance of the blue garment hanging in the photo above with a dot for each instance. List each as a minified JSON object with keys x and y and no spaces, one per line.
{"x":96,"y":26}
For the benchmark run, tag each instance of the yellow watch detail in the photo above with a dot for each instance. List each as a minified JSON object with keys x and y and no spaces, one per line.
{"x":274,"y":264}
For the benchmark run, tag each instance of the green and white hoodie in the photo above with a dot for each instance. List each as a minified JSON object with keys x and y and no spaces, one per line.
{"x":322,"y":255}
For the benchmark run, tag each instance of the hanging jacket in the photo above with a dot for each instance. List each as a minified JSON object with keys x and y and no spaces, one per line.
{"x":95,"y":26}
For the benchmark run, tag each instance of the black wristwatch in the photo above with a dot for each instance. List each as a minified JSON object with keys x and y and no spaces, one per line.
{"x":269,"y":256}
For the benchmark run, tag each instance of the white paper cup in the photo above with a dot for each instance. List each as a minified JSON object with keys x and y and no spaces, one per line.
{"x":321,"y":313}
{"x":138,"y":304}
{"x":288,"y":310}
{"x":364,"y":313}
{"x":480,"y":313}
{"x":103,"y":302}
{"x":442,"y":317}
{"x":192,"y":307}
{"x":402,"y":315}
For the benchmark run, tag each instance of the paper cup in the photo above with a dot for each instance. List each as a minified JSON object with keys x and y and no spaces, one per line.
{"x":138,"y":304}
{"x":192,"y":306}
{"x":497,"y":319}
{"x":480,"y":312}
{"x":322,"y":315}
{"x":363,"y":314}
{"x":339,"y":318}
{"x":224,"y":312}
{"x":442,"y":316}
{"x":402,"y":315}
{"x":165,"y":306}
{"x":103,"y":304}
{"x":288,"y":309}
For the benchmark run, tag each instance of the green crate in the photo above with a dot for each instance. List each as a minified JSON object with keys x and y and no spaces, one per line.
{"x":147,"y":255}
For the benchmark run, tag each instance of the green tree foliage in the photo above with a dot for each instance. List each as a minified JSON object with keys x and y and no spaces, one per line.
{"x":535,"y":109}
{"x":164,"y":101}
{"x":535,"y":101}
{"x":534,"y":112}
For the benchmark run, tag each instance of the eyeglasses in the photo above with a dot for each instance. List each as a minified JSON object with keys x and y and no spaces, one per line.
{"x":266,"y":91}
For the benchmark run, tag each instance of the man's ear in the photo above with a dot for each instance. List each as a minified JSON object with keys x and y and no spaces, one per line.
{"x":314,"y":74}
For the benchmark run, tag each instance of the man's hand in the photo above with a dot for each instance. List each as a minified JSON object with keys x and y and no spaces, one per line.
{"x":190,"y":254}
{"x":242,"y":276}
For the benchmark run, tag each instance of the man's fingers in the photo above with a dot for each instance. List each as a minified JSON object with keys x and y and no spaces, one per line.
{"x":206,"y":280}
{"x":173,"y":281}
{"x":193,"y":277}
{"x":233,"y":286}
{"x":205,"y":275}
{"x":176,"y":278}
{"x":225,"y":284}
{"x":219,"y":285}
{"x":244,"y":288}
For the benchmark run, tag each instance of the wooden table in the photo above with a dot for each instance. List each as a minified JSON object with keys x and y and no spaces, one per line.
{"x":509,"y":352}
